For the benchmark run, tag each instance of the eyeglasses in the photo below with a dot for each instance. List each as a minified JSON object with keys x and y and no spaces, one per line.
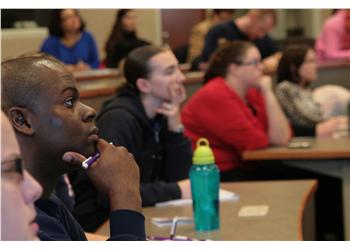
{"x":254,"y":62}
{"x":14,"y":168}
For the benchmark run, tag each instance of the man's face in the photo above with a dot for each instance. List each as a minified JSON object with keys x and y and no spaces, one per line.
{"x":165,"y":73}
{"x":19,"y":190}
{"x":261,"y":27}
{"x":61,"y":122}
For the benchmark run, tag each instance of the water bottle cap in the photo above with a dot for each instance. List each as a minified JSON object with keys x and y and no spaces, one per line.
{"x":203,"y":153}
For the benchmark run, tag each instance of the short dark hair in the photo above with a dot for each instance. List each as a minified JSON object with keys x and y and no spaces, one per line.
{"x":137,"y":63}
{"x":22,"y":80}
{"x":230,"y":52}
{"x":292,"y":58}
{"x":55,"y":23}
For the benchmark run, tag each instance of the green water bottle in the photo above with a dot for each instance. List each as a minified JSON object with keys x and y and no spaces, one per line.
{"x":205,"y":182}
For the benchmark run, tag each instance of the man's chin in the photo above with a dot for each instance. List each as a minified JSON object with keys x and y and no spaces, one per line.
{"x":85,"y":150}
{"x":90,"y":150}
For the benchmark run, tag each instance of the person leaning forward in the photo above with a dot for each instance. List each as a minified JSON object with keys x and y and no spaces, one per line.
{"x":56,"y":132}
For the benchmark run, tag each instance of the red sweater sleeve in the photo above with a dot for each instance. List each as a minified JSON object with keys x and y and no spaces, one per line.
{"x":219,"y":114}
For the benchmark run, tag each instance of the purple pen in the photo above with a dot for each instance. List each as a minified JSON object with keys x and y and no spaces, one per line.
{"x":89,"y":161}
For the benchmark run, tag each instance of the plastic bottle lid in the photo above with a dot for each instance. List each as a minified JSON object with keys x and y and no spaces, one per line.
{"x":203,"y":153}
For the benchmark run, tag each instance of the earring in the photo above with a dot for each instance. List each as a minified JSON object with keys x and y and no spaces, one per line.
{"x":20,"y":119}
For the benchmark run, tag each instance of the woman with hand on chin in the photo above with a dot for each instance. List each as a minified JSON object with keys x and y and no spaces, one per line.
{"x":145,"y":118}
{"x":236,"y":109}
{"x":320,"y":112}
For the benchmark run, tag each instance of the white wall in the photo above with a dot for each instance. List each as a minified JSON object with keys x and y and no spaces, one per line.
{"x":18,"y":41}
{"x":149,"y":25}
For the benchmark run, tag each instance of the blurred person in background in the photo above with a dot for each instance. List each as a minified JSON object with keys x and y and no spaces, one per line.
{"x":69,"y":42}
{"x":254,"y":27}
{"x":334,"y":40}
{"x":123,"y":38}
{"x":322,"y":114}
{"x":200,"y":30}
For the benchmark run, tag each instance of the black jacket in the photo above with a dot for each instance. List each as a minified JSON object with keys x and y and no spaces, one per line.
{"x":57,"y":223}
{"x":164,"y":157}
{"x":122,"y":48}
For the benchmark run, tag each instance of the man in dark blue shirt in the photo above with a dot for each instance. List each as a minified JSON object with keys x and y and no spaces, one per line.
{"x":56,"y":132}
{"x":254,"y":27}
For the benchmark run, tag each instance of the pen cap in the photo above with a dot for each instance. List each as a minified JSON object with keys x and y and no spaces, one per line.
{"x":203,"y":153}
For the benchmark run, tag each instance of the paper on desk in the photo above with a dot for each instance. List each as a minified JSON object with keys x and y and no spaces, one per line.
{"x":168,"y":221}
{"x":224,"y":195}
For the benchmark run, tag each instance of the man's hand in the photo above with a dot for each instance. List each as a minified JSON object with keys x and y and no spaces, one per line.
{"x":115,"y":173}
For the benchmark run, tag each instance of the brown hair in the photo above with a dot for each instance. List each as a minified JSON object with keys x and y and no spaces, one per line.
{"x":117,"y":33}
{"x":137,"y":63}
{"x":292,"y":59}
{"x":55,"y":24}
{"x":230,"y":52}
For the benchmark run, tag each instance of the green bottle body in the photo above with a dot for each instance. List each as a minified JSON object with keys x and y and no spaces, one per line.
{"x":205,"y":184}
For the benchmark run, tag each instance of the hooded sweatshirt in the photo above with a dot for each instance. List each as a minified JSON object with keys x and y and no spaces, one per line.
{"x":164,"y":157}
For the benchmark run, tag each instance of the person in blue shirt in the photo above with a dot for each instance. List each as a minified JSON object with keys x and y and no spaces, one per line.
{"x":69,"y":42}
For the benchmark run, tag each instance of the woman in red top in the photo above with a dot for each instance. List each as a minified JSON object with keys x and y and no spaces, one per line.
{"x":236,"y":110}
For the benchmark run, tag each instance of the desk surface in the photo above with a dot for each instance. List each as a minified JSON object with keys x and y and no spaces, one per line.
{"x":286,"y":201}
{"x":105,"y":81}
{"x":320,"y":149}
{"x":94,"y":74}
